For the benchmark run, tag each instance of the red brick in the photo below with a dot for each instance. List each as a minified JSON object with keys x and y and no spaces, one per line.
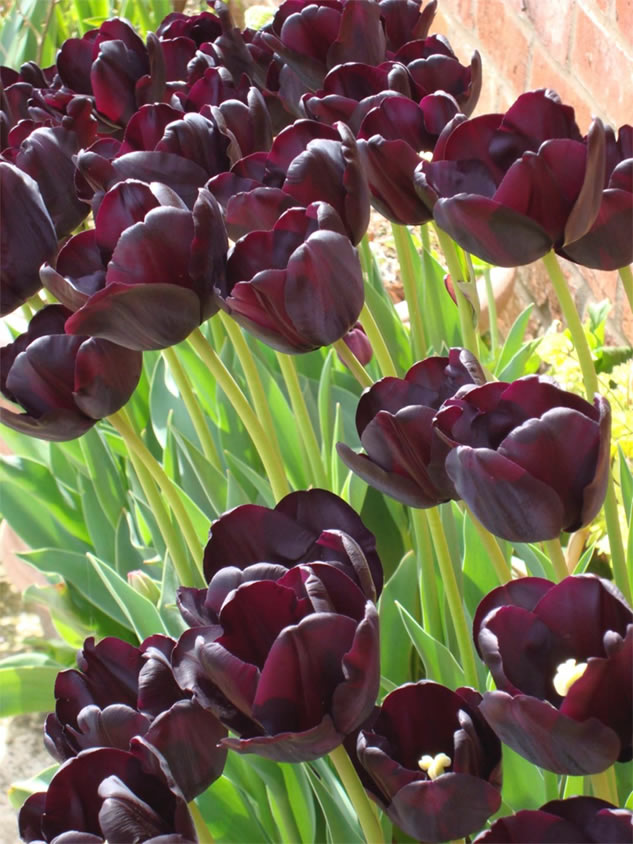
{"x":544,"y":74}
{"x":502,"y":36}
{"x":624,"y":20}
{"x":552,"y":23}
{"x":603,"y":68}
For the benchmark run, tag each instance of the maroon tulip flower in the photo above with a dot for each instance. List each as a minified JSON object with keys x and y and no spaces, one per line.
{"x":358,"y":343}
{"x":293,"y":665}
{"x":108,"y":795}
{"x":561,"y":656}
{"x":509,"y":188}
{"x":404,"y":456}
{"x":122,"y":692}
{"x":434,"y":763}
{"x":299,"y":286}
{"x":608,"y":244}
{"x":27,"y":237}
{"x":293,"y":533}
{"x":64,"y":383}
{"x":582,"y":820}
{"x":144,"y":276}
{"x":529,"y":458}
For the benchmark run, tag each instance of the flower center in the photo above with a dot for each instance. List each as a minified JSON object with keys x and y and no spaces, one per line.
{"x":566,"y":675}
{"x":434,"y":765}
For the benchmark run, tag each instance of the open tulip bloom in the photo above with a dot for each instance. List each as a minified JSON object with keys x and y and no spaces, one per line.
{"x":319,"y":568}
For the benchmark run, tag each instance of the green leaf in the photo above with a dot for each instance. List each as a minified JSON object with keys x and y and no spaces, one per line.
{"x":101,"y":531}
{"x":514,"y":340}
{"x":229,"y":814}
{"x":536,"y":561}
{"x":479,"y":576}
{"x":106,"y":472}
{"x":439,"y":662}
{"x":399,"y":589}
{"x":140,"y":613}
{"x":245,"y":473}
{"x":297,"y":786}
{"x":212,"y":484}
{"x":164,"y":399}
{"x":127,"y":556}
{"x":324,"y":405}
{"x":27,"y":688}
{"x":20,"y":790}
{"x":340,"y":818}
{"x":517,"y":365}
{"x":523,"y":782}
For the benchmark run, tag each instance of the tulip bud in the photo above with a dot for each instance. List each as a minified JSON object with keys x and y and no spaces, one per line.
{"x":145,"y":585}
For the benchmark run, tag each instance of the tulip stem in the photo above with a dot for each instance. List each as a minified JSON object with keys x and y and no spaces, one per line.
{"x":202,"y":830}
{"x":604,"y":786}
{"x":590,"y":379}
{"x":375,"y":337}
{"x":193,"y":408}
{"x":302,"y":417}
{"x":274,"y":468}
{"x":554,"y":551}
{"x":493,"y":549}
{"x":410,"y":285}
{"x":356,"y":792}
{"x":255,"y":387}
{"x":431,"y":617}
{"x":187,"y":574}
{"x":353,"y":364}
{"x":626,"y":277}
{"x":453,"y":596}
{"x":464,"y":308}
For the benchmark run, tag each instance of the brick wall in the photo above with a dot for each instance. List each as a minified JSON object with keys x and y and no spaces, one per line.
{"x":583,"y":49}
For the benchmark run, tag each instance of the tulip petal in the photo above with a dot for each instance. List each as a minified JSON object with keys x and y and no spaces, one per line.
{"x":79,"y":271}
{"x":539,"y":732}
{"x":608,"y":244}
{"x":505,"y":498}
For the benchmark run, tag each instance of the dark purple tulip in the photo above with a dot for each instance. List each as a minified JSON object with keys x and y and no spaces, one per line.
{"x":144,"y":276}
{"x":293,"y":665}
{"x":608,"y":244}
{"x":529,"y":458}
{"x":200,"y":28}
{"x":108,"y":795}
{"x":406,"y":20}
{"x":404,"y":456}
{"x":394,"y":135}
{"x":27,"y":237}
{"x":246,"y":123}
{"x":577,"y":820}
{"x":64,"y":383}
{"x":299,"y":286}
{"x":121,"y":692}
{"x":561,"y":656}
{"x":289,"y":535}
{"x":509,"y":188}
{"x":358,"y":343}
{"x":434,"y":763}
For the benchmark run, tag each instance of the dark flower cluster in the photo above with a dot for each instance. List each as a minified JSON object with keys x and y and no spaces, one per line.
{"x":529,"y":458}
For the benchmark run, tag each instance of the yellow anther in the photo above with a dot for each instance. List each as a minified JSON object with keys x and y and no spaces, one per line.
{"x":566,"y":675}
{"x":434,"y":765}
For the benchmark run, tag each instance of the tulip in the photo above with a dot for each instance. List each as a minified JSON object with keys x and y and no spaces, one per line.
{"x":116,"y":796}
{"x":64,"y":383}
{"x":299,"y":286}
{"x":509,"y":188}
{"x":529,"y":458}
{"x":144,"y":276}
{"x":199,"y":28}
{"x":433,"y":762}
{"x":290,"y":534}
{"x":561,"y":656}
{"x":404,"y":456}
{"x":121,"y":692}
{"x":27,"y":237}
{"x":358,"y":343}
{"x":578,"y":819}
{"x":292,"y":667}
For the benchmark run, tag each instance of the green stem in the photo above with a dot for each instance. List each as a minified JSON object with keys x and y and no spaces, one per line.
{"x":353,"y":364}
{"x":374,"y":334}
{"x":355,"y":791}
{"x":431,"y":616}
{"x":273,"y":466}
{"x":590,"y":379}
{"x":260,"y":400}
{"x":626,"y":277}
{"x":152,"y":483}
{"x":493,"y":549}
{"x":193,"y":408}
{"x":27,"y":311}
{"x":604,"y":785}
{"x":464,"y":308}
{"x":409,"y":283}
{"x":453,"y":596}
{"x":492,"y":314}
{"x":366,"y":256}
{"x":302,"y":417}
{"x":554,"y":551}
{"x":202,"y":830}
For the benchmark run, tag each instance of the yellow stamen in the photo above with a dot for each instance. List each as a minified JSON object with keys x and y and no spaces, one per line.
{"x":434,"y":765}
{"x":566,"y":675}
